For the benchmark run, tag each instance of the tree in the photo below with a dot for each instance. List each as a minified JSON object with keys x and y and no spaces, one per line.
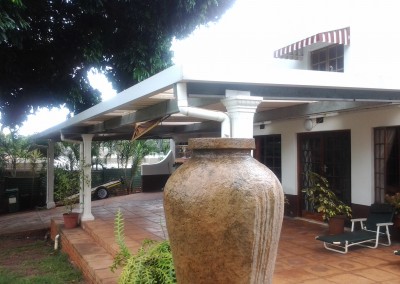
{"x":10,"y":18}
{"x":97,"y":159}
{"x":13,"y":148}
{"x":134,"y":151}
{"x":48,"y":46}
{"x":68,"y":155}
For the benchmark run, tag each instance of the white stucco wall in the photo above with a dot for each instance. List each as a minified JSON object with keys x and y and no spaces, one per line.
{"x":163,"y":167}
{"x":361,"y":125}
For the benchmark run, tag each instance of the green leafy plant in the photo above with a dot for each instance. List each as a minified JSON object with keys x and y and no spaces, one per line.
{"x":152,"y":263}
{"x":323,"y":199}
{"x":123,"y":254}
{"x":66,"y":184}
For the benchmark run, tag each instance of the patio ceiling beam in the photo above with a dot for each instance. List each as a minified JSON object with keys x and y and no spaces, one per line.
{"x":207,"y":126}
{"x":152,"y":112}
{"x":308,"y":109}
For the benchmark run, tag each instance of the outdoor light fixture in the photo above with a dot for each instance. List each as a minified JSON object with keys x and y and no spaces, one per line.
{"x":308,"y":124}
{"x":262,"y":124}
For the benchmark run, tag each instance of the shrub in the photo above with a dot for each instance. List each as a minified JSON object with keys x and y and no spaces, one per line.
{"x":152,"y":264}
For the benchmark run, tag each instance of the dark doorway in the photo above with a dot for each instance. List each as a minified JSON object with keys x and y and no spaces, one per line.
{"x":328,"y":154}
{"x":387,"y":162}
{"x":268,"y":152}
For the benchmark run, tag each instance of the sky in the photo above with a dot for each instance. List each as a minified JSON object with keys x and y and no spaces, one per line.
{"x":248,"y":33}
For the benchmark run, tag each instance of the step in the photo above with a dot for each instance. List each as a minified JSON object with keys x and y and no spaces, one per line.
{"x":91,"y":258}
{"x":103,"y":232}
{"x":92,"y":246}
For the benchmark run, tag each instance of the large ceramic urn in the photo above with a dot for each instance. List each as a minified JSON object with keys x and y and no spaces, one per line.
{"x":224,"y":214}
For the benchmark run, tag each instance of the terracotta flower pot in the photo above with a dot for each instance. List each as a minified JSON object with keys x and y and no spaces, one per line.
{"x":224,"y":214}
{"x":336,"y":225}
{"x":71,"y":220}
{"x":396,"y":221}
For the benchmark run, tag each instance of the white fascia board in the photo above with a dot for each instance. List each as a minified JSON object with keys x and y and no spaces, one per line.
{"x":155,"y":84}
{"x":262,"y":75}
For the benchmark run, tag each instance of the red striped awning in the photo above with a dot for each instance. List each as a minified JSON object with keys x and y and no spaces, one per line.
{"x":295,"y":50}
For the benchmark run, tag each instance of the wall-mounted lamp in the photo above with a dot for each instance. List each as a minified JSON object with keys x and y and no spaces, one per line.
{"x":319,"y":118}
{"x":262,"y":124}
{"x":308,"y":124}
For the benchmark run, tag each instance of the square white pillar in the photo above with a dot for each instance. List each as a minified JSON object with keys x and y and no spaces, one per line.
{"x":87,"y":177}
{"x":50,"y":175}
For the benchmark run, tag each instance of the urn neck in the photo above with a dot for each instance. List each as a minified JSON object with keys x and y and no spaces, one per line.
{"x":217,"y":147}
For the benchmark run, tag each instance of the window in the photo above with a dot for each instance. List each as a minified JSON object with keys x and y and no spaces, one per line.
{"x":387,"y":161}
{"x":269,"y":153}
{"x":330,"y":58}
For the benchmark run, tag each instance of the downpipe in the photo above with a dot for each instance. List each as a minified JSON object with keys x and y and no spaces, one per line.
{"x":56,"y":240}
{"x":185,"y":109}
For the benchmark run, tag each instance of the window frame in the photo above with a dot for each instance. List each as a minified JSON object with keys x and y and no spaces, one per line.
{"x":327,"y":56}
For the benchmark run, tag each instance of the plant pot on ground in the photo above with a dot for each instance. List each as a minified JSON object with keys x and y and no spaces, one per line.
{"x":66,"y":185}
{"x":324,"y":200}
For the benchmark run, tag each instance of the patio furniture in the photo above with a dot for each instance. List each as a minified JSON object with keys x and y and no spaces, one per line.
{"x":374,"y":227}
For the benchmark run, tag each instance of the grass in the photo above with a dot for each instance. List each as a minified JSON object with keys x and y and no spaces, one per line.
{"x":30,"y":260}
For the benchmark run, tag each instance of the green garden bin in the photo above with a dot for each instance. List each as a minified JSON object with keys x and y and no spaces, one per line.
{"x":12,"y":199}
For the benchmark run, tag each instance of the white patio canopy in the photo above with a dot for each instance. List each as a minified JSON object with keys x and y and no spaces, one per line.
{"x":286,"y":94}
{"x":283,"y":94}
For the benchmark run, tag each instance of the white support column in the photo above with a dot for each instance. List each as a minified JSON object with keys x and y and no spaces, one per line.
{"x":50,"y":175}
{"x":87,"y":178}
{"x":241,"y":108}
{"x":81,"y":189}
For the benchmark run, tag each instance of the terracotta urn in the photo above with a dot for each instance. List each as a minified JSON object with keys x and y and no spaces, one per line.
{"x":224,"y":214}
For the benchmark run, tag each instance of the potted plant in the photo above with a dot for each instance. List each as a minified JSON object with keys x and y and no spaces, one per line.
{"x":66,"y":186}
{"x":394,"y":200}
{"x":325,"y":201}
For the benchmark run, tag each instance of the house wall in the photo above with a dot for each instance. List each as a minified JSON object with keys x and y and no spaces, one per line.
{"x":369,"y":55}
{"x":361,"y":125}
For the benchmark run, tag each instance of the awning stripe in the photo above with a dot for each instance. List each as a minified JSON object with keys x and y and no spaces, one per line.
{"x":295,"y":50}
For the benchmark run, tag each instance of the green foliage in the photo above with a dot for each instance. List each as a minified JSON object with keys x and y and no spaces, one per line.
{"x":67,"y":154}
{"x":10,"y":18}
{"x":323,"y":199}
{"x":47,"y":47}
{"x":124,"y":254}
{"x":66,"y":184}
{"x":394,"y":200}
{"x":14,"y":149}
{"x":152,"y":263}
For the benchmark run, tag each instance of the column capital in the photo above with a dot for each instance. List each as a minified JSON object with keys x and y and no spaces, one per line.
{"x":242,"y":103}
{"x":241,"y":109}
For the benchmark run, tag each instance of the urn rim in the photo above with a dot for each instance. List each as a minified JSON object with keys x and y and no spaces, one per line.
{"x":222,"y":143}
